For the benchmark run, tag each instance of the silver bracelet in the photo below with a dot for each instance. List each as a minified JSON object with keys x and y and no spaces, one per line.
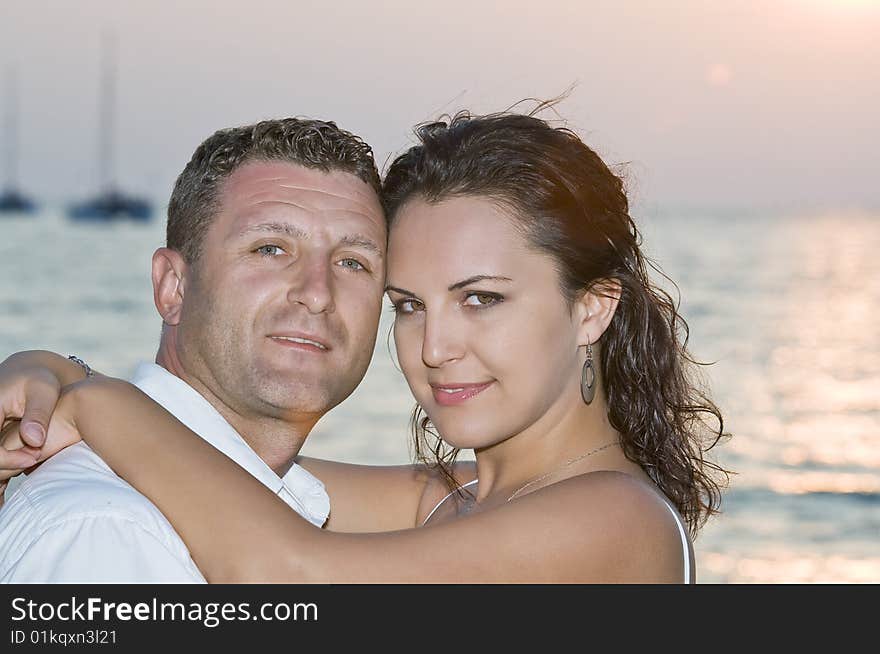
{"x":84,"y":365}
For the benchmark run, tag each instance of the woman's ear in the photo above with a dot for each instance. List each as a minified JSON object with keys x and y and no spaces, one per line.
{"x":596,"y":308}
{"x":169,"y":275}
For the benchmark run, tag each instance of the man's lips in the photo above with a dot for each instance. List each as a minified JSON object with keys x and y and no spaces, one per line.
{"x":452,"y":394}
{"x":301,"y":341}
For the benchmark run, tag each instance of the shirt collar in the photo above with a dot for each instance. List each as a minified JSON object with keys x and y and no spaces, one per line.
{"x":298,"y":488}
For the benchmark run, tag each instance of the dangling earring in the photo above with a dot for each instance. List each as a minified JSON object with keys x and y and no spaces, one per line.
{"x":588,"y":377}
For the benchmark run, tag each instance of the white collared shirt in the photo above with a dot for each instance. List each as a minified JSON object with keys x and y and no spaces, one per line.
{"x":73,"y":520}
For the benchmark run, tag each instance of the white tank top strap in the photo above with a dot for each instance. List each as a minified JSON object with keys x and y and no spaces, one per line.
{"x":440,"y":503}
{"x":684,"y":543}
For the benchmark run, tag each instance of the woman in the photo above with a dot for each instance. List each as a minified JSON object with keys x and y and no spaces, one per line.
{"x":528,"y":331}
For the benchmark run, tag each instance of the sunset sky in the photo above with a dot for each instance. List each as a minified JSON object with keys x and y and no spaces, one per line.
{"x":745,"y":103}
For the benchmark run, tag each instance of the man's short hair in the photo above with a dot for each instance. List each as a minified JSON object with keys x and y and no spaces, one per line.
{"x":310,"y":143}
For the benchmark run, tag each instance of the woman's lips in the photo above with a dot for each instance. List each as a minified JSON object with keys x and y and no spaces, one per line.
{"x":452,"y":394}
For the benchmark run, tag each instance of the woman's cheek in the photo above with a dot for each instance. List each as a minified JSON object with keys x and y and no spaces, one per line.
{"x":409,"y":357}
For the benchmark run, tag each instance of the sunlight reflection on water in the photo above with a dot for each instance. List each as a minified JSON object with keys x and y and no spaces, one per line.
{"x":798,"y":381}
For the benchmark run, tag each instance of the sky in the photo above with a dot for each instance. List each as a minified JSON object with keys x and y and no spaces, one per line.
{"x":705,"y":103}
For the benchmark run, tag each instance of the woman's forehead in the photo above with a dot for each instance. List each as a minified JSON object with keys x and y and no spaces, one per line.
{"x":455,"y":219}
{"x":456,"y":239}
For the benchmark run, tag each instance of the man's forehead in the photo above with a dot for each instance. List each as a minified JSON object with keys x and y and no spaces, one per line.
{"x":260,"y":180}
{"x":261,"y":190}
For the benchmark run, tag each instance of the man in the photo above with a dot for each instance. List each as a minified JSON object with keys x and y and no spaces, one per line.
{"x":270,"y":291}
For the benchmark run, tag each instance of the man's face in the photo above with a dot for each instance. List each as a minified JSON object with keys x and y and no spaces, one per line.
{"x":281,"y":310}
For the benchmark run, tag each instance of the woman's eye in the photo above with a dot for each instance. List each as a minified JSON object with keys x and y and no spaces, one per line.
{"x":407,"y":306}
{"x":481,"y":299}
{"x":354,"y":264}
{"x":269,"y":250}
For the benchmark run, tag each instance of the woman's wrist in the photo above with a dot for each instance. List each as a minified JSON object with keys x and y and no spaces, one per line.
{"x":83,"y":409}
{"x":66,"y":370}
{"x":87,"y":369}
{"x":94,"y":393}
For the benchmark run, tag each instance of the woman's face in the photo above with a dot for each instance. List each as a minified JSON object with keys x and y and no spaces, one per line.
{"x":484,"y":336}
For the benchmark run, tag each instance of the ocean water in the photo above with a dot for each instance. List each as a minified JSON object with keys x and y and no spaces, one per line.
{"x":786,"y":305}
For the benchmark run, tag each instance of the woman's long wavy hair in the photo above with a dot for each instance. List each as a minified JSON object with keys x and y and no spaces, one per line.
{"x":570,"y":205}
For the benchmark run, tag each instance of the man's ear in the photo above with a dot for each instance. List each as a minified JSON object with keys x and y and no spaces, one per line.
{"x":596,"y":308}
{"x":169,"y":277}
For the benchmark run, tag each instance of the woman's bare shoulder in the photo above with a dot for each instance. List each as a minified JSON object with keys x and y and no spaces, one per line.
{"x":618,"y":498}
{"x":625,"y":526}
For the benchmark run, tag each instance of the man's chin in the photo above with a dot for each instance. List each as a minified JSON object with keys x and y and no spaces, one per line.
{"x":300,"y":388}
{"x":298,"y":397}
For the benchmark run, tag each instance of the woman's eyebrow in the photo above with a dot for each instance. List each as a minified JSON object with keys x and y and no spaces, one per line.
{"x":398,"y":290}
{"x":456,"y":285}
{"x":478,"y":278}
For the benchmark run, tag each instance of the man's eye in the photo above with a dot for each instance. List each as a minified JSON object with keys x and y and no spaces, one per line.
{"x":269,"y":250}
{"x":354,"y":264}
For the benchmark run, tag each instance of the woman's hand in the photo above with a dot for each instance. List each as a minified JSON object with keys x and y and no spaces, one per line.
{"x":30,"y":387}
{"x":63,"y":430}
{"x":17,"y":456}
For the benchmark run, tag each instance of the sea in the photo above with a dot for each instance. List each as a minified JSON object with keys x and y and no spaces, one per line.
{"x":784,"y":306}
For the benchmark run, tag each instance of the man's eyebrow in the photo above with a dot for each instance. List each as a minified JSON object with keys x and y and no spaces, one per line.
{"x":360,"y":241}
{"x":275,"y":228}
{"x":351,"y":240}
{"x":478,"y":278}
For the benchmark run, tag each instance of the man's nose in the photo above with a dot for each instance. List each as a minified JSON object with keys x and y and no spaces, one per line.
{"x":443,"y":340}
{"x":313,"y":285}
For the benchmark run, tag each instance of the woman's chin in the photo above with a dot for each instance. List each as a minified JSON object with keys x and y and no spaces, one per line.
{"x":466,"y":435}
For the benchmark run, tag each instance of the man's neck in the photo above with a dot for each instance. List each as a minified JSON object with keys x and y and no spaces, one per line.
{"x":275,"y":441}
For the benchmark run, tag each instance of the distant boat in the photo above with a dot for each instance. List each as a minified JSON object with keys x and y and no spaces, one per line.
{"x":12,"y":199}
{"x":111,"y":203}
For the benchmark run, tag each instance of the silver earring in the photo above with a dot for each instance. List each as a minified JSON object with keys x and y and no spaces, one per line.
{"x":588,"y":377}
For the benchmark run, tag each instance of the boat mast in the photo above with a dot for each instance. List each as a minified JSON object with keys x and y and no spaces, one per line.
{"x":10,"y":167}
{"x":107,"y":125}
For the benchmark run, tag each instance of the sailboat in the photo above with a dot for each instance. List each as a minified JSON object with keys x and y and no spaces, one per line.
{"x":13,"y":200}
{"x":110,"y":203}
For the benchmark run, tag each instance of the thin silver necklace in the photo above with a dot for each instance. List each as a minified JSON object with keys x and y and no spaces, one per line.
{"x":562,"y":467}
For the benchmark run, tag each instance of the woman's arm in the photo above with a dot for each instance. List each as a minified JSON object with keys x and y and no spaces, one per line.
{"x":593,"y":528}
{"x":368,"y":498}
{"x":365,"y":498}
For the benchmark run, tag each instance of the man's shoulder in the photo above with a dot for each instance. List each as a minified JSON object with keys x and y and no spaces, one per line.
{"x":76,"y":483}
{"x":76,"y":496}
